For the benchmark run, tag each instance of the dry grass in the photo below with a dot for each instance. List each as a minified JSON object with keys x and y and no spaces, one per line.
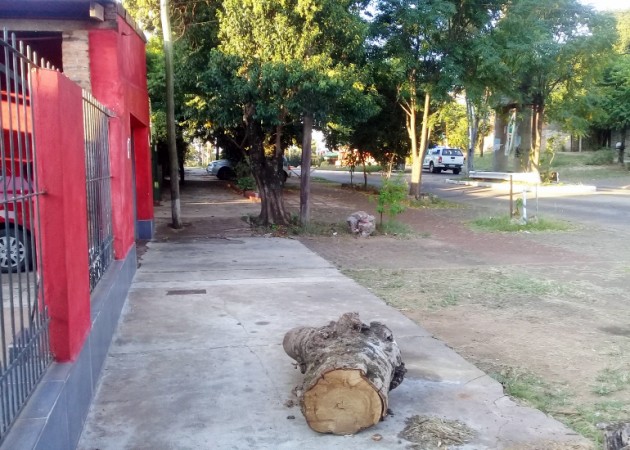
{"x":434,"y":433}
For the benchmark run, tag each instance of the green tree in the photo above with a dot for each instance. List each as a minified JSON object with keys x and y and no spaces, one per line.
{"x":195,"y":29}
{"x":383,"y":136}
{"x":428,"y":44}
{"x":614,"y":86}
{"x":409,"y":34}
{"x":452,"y":124}
{"x":280,"y":64}
{"x":551,"y":50}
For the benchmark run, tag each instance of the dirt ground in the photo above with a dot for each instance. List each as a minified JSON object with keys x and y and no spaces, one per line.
{"x":545,"y":313}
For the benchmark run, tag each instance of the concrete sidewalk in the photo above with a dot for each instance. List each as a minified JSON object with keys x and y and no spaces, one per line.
{"x":198,"y":363}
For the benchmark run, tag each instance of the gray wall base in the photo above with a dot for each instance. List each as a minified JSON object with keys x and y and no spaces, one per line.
{"x":55,"y":414}
{"x":145,"y":229}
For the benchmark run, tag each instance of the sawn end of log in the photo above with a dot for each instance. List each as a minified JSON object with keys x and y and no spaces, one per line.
{"x":349,"y":368}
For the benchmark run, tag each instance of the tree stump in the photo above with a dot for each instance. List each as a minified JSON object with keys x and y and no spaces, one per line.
{"x":349,"y":368}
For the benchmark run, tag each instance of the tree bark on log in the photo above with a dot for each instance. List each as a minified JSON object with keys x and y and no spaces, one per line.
{"x":349,"y":368}
{"x":617,"y":437}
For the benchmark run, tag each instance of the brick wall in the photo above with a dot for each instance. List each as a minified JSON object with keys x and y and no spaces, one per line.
{"x":76,"y":57}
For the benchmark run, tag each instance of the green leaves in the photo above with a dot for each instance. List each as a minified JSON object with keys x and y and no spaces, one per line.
{"x":549,"y":45}
{"x":392,"y":196}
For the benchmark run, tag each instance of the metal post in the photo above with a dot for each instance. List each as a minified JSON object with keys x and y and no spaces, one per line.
{"x":525,"y":205}
{"x":511,"y":198}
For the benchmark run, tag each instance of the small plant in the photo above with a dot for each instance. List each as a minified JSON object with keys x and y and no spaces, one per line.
{"x":244,"y":178}
{"x":547,"y":157}
{"x":391,"y":199}
{"x":246,"y":183}
{"x":518,"y":205}
{"x":350,"y":160}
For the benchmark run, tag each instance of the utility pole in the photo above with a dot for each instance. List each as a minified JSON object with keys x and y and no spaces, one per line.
{"x":170,"y":114}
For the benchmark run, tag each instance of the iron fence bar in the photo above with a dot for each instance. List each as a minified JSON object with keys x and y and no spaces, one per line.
{"x":96,"y":125}
{"x":18,"y":333}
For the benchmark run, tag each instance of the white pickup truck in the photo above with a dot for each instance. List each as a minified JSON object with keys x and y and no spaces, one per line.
{"x":438,"y":159}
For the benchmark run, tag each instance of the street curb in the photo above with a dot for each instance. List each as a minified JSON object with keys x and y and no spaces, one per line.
{"x":560,"y":189}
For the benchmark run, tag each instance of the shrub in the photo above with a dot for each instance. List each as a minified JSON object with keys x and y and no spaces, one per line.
{"x":246,"y":183}
{"x":244,"y":178}
{"x":392,"y":197}
{"x":294,"y":156}
{"x":372,"y":168}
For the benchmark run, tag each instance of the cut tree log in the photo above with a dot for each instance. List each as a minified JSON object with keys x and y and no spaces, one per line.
{"x":349,"y":368}
{"x":617,"y":436}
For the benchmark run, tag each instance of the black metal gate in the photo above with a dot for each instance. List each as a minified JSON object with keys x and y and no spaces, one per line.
{"x":100,"y":237}
{"x":24,"y":341}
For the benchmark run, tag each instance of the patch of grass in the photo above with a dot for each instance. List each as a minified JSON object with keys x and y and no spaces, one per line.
{"x":505,"y":224}
{"x":600,"y":158}
{"x":584,"y":419}
{"x":584,"y":174}
{"x":570,"y":159}
{"x":587,"y":418}
{"x":315,"y":228}
{"x":611,"y":380}
{"x":484,"y":163}
{"x":449,"y":299}
{"x":396,"y":283}
{"x":574,"y":167}
{"x":432,"y":201}
{"x":395,"y":228}
{"x":530,"y":389}
{"x":507,"y":285}
{"x":425,"y":289}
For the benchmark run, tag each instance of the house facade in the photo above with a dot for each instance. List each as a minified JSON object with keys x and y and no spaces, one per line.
{"x":75,"y":108}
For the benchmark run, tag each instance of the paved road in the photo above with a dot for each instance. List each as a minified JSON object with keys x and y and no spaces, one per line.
{"x":607,"y":207}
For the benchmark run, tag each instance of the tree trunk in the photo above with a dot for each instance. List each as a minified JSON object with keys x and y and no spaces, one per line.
{"x":349,"y":368}
{"x":473,"y":124}
{"x":170,"y":114}
{"x":411,"y":119}
{"x":499,"y":158}
{"x":622,"y":148}
{"x":418,"y":152}
{"x":537,"y":126}
{"x":362,"y":159}
{"x":267,"y":173}
{"x":305,"y":177}
{"x":424,"y":140}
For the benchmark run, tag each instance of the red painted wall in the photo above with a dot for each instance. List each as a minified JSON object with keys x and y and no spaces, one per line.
{"x":118,"y":78}
{"x":58,"y":102}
